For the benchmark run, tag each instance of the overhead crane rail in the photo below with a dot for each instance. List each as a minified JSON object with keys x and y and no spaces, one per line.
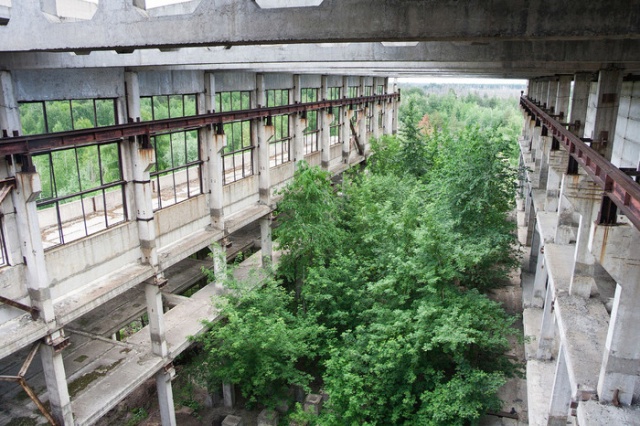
{"x":32,"y":144}
{"x":619,"y":190}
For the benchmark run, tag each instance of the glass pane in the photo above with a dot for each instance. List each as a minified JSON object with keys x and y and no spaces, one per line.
{"x":228,"y":131}
{"x":32,"y":118}
{"x":48,"y":220}
{"x":146,"y":112}
{"x":89,"y":167}
{"x":226,"y":102}
{"x":218,"y":104}
{"x":58,"y":116}
{"x":83,"y":114}
{"x":246,"y":100}
{"x":178,"y":147}
{"x":190,"y":106}
{"x":192,"y":146}
{"x":65,"y":172}
{"x":160,"y":107}
{"x":106,"y":111}
{"x":163,"y":152}
{"x":115,"y":206}
{"x":175,"y":106}
{"x":110,"y":162}
{"x":246,"y":134}
{"x":43,"y":167}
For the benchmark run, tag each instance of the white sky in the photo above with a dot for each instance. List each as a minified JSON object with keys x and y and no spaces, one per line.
{"x":459,"y":80}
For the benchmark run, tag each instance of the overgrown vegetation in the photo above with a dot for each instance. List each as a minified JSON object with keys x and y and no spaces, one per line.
{"x":381,"y":288}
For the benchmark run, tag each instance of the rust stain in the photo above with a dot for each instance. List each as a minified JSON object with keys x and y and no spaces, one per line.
{"x":603,"y":249}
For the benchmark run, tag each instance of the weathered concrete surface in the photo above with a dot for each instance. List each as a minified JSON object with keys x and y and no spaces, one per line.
{"x":539,"y":383}
{"x":594,"y":413}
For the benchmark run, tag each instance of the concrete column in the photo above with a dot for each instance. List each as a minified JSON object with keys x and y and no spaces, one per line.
{"x":219,"y":263}
{"x":617,"y":248}
{"x":546,"y":342}
{"x":608,"y":100}
{"x":228,"y":395}
{"x":298,"y":124}
{"x":536,"y":139}
{"x":143,"y":157}
{"x":377,"y":108}
{"x":165,"y":396}
{"x":264,"y":133}
{"x":155,"y":313}
{"x":540,"y":278}
{"x":325,"y":118}
{"x":560,"y":393}
{"x":552,"y":95}
{"x":544,"y":92}
{"x":345,"y":129}
{"x":563,"y":96}
{"x":396,"y":105}
{"x":9,"y":114}
{"x":585,"y":196}
{"x":211,"y":151}
{"x":56,"y":380}
{"x":558,"y":160}
{"x":266,"y":244}
{"x":363,"y":134}
{"x":580,"y":102}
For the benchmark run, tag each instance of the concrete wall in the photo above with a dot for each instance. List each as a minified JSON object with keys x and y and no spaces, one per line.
{"x":170,"y":82}
{"x":47,"y":85}
{"x":591,"y":111}
{"x":626,"y":147}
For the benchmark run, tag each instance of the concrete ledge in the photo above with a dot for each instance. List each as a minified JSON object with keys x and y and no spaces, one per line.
{"x":594,"y":413}
{"x":19,"y":332}
{"x":539,"y":384}
{"x":175,"y":252}
{"x":98,"y":292}
{"x":531,"y":320}
{"x":559,"y":261}
{"x":241,"y":219}
{"x":583,"y":325}
{"x":539,"y":197}
{"x":547,"y":223}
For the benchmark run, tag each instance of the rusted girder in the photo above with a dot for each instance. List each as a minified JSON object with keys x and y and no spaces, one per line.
{"x":617,"y":186}
{"x":19,"y":379}
{"x":49,"y":141}
{"x":33,"y":311}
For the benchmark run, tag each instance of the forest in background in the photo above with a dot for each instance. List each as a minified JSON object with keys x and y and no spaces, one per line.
{"x":380,"y":295}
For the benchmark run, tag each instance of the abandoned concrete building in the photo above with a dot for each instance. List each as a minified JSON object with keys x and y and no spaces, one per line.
{"x":134,"y":133}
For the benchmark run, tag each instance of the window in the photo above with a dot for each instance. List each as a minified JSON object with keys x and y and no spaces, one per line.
{"x":353,"y":91}
{"x":65,"y":115}
{"x":280,"y":144}
{"x":82,"y":192}
{"x":368,"y":91}
{"x":310,"y":133}
{"x":380,"y":89}
{"x":336,"y":124}
{"x":176,"y":176}
{"x":237,"y":156}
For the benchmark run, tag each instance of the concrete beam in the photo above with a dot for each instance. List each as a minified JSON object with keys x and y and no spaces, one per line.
{"x":229,"y":22}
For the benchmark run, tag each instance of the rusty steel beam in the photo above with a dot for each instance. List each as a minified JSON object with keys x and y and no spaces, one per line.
{"x":616,"y":184}
{"x":32,"y":310}
{"x":45,"y":142}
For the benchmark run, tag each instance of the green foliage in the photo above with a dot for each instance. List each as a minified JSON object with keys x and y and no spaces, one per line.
{"x":308,"y":231}
{"x":259,"y":344}
{"x":300,"y":417}
{"x":137,"y":415}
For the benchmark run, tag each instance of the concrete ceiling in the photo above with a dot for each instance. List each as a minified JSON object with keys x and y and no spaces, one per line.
{"x":500,"y":38}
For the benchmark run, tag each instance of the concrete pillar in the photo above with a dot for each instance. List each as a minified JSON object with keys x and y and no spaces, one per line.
{"x":536,"y":145}
{"x":563,"y":96}
{"x":9,"y":114}
{"x":560,"y":393}
{"x":363,"y":134}
{"x":546,"y":342}
{"x":544,"y":92}
{"x":540,"y":278}
{"x":608,"y":100}
{"x":298,"y":124}
{"x":552,"y":95}
{"x":211,"y":147}
{"x":219,"y":263}
{"x":617,"y":248}
{"x":580,"y":102}
{"x":396,"y":105}
{"x":229,"y":394}
{"x":264,"y":132}
{"x":266,"y":243}
{"x":377,"y":109}
{"x":585,"y":196}
{"x":155,"y":313}
{"x":324,"y":121}
{"x":165,"y":396}
{"x":558,"y":160}
{"x":346,"y":128}
{"x":56,"y":381}
{"x":143,"y":158}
